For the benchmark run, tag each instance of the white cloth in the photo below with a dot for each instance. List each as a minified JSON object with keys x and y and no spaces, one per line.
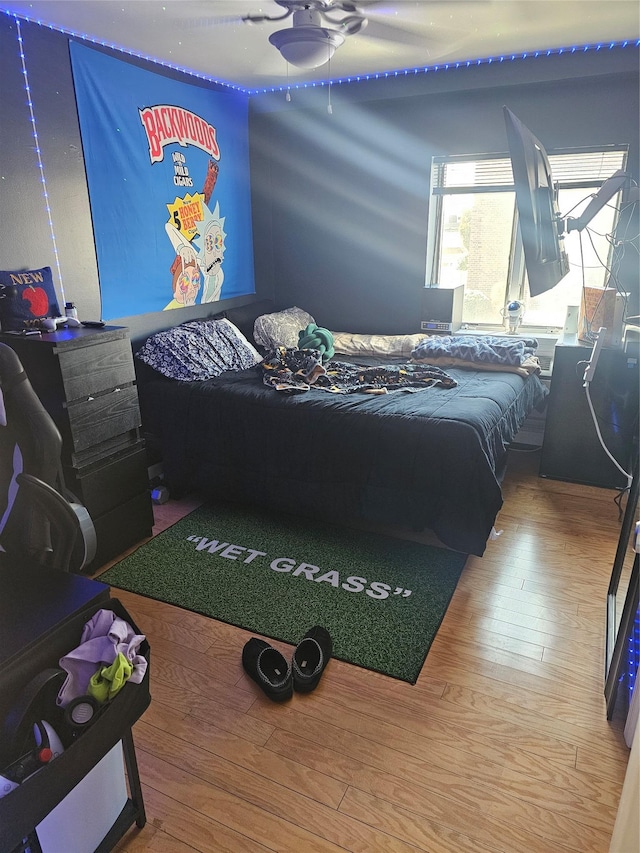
{"x":103,"y":637}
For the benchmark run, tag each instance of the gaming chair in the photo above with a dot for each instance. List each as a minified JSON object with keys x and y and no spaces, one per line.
{"x":40,"y":521}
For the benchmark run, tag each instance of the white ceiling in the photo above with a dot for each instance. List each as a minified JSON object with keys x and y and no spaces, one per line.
{"x":193,"y":35}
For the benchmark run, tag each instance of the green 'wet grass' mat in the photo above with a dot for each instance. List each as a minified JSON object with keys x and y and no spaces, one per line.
{"x":382,"y":599}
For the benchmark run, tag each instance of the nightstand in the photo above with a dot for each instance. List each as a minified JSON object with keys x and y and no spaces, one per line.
{"x":85,"y":379}
{"x":571,"y":449}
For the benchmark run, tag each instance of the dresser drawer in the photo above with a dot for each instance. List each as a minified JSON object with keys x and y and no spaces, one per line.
{"x":112,"y":482}
{"x":87,"y":371}
{"x":98,"y":418}
{"x":122,"y":527}
{"x":98,"y":453}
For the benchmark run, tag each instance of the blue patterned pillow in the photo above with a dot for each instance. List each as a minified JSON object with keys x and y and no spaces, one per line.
{"x":198,"y":350}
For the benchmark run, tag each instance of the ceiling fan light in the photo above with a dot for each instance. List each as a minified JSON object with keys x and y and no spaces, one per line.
{"x":307,"y":47}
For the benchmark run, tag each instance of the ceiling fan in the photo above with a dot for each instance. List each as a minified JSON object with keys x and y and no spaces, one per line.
{"x":319,"y":27}
{"x":315,"y":33}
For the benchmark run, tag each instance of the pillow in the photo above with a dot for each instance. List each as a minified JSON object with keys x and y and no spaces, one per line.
{"x":26,"y":296}
{"x":198,"y":350}
{"x":280,"y":329}
{"x":387,"y":346}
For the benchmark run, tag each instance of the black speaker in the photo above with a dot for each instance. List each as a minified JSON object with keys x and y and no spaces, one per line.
{"x":442,"y":309}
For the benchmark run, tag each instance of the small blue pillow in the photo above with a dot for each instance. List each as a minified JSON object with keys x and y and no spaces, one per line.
{"x":26,"y":296}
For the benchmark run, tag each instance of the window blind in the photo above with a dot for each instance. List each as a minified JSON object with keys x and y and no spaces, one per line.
{"x":492,"y":173}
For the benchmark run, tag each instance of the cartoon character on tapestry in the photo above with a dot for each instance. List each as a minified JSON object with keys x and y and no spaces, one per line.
{"x":198,"y":238}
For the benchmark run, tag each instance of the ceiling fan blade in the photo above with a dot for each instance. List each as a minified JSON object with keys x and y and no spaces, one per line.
{"x":232,"y":20}
{"x":205,"y":23}
{"x":390,"y":7}
{"x":394,"y":32}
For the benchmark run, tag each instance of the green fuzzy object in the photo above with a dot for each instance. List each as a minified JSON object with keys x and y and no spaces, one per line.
{"x":314,"y":337}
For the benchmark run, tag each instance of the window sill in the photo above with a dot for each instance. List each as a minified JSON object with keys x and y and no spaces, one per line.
{"x":539,"y":332}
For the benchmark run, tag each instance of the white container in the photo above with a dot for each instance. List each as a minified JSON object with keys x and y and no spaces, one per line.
{"x":82,"y":819}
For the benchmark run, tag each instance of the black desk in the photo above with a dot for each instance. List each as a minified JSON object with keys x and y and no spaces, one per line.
{"x":35,"y":601}
{"x":42,"y":613}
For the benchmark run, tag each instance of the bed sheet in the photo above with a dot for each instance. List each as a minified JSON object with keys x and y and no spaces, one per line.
{"x":428,"y":459}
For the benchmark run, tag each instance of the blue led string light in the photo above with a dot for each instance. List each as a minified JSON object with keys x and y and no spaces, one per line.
{"x":375,"y":75}
{"x":633,"y":655}
{"x":39,"y":157}
{"x":469,"y":63}
{"x":85,"y":37}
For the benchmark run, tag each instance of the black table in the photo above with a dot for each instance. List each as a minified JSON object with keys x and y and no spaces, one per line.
{"x":34,"y":601}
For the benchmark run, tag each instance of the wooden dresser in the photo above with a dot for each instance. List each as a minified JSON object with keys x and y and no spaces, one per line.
{"x":85,"y":378}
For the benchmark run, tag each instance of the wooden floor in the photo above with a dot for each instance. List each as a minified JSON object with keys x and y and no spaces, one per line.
{"x":502,"y":745}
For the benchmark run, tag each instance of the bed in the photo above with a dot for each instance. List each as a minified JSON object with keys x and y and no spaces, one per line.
{"x":427,"y":459}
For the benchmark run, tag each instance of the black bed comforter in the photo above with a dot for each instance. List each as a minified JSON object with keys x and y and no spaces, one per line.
{"x":429,"y":459}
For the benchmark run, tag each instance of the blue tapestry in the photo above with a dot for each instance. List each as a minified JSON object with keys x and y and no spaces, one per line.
{"x":168,"y":173}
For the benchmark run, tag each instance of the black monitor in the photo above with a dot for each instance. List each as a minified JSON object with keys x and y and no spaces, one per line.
{"x":541,"y":225}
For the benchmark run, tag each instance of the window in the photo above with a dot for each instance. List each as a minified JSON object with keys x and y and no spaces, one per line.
{"x":474,"y":238}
